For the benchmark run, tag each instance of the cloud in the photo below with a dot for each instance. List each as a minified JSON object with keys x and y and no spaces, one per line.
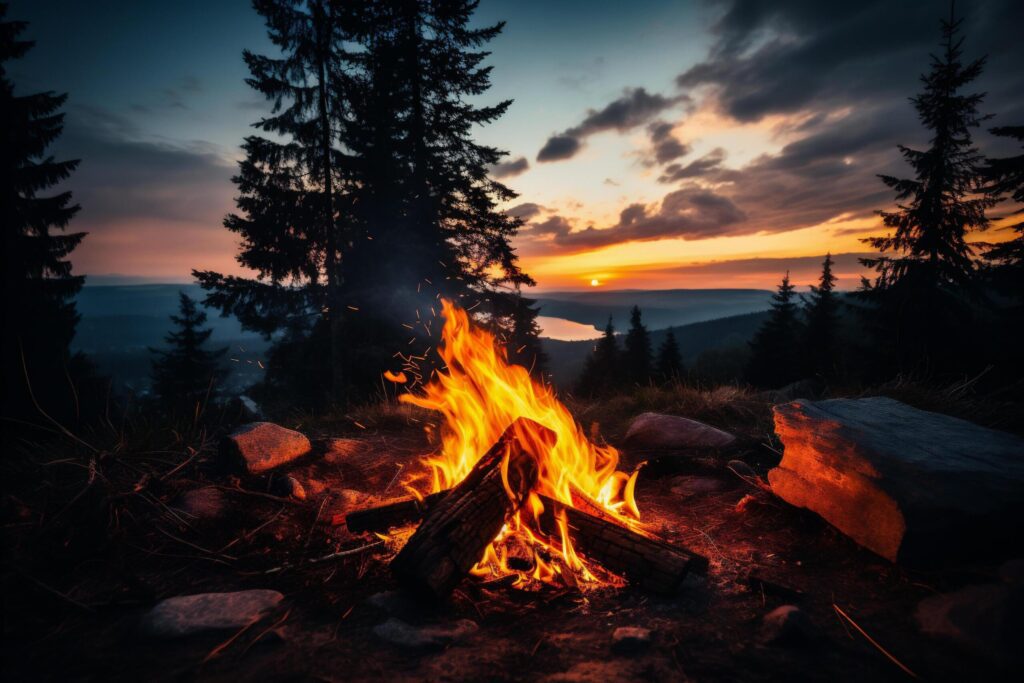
{"x":525,"y":211}
{"x":754,"y":272}
{"x":707,"y":164}
{"x":791,"y":55}
{"x":688,"y":213}
{"x":509,"y":169}
{"x":635,"y":108}
{"x":665,"y":146}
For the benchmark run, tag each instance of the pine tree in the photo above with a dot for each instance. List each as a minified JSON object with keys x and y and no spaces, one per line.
{"x":602,"y":372}
{"x":919,"y":292}
{"x":775,"y":349}
{"x":39,"y":289}
{"x":669,"y":366}
{"x":821,"y":311}
{"x":290,"y":195}
{"x":638,"y":350}
{"x":1005,"y":178}
{"x":185,"y":375}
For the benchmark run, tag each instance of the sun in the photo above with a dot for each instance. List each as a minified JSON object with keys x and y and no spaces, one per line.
{"x":595,"y":282}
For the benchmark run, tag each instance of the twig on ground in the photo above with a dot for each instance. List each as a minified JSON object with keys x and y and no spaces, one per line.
{"x":327,"y":558}
{"x":871,"y":640}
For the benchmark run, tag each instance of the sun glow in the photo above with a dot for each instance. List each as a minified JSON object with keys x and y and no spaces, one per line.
{"x":594,"y":282}
{"x":479,"y":394}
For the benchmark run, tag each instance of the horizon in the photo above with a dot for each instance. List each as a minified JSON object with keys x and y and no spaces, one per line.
{"x":659,"y":145}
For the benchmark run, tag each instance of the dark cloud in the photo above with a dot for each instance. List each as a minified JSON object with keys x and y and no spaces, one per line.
{"x":689,"y":213}
{"x":511,"y":168}
{"x":525,"y":211}
{"x":559,"y":147}
{"x":790,"y":55}
{"x":175,"y":96}
{"x":665,"y":146}
{"x":635,"y":108}
{"x":803,"y":270}
{"x":124,"y":178}
{"x":707,"y":164}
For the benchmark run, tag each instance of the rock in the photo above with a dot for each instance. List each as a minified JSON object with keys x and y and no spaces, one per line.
{"x":204,"y":504}
{"x":336,"y":450}
{"x":786,"y":625}
{"x":295,"y":488}
{"x":629,"y":639}
{"x":262,"y":446}
{"x":742,"y":470}
{"x":696,"y":486}
{"x":424,"y":637}
{"x":986,"y":619}
{"x":191,"y":614}
{"x":905,"y":483}
{"x":654,"y":431}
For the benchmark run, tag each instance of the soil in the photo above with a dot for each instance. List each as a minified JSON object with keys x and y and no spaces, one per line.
{"x":81,"y":622}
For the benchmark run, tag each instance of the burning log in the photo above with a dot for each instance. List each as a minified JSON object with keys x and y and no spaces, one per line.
{"x":457,"y":530}
{"x":648,"y":563}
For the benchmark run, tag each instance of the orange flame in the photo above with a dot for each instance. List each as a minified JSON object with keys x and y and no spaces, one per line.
{"x":479,"y":394}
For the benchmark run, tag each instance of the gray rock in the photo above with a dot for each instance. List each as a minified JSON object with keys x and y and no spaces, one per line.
{"x":985,"y":619}
{"x":262,"y":446}
{"x":204,"y":504}
{"x":400,"y":633}
{"x":191,"y":614}
{"x":786,"y":625}
{"x":657,"y":432}
{"x":905,"y":483}
{"x":627,"y":639}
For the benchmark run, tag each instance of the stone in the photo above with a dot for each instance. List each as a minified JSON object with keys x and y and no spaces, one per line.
{"x":398,"y":632}
{"x":908,"y":484}
{"x":204,"y":504}
{"x":295,"y":488}
{"x":786,"y":625}
{"x":204,"y":612}
{"x":687,"y":486}
{"x":629,"y":639}
{"x":986,"y":619}
{"x":742,"y":470}
{"x":657,"y":432}
{"x":262,"y":446}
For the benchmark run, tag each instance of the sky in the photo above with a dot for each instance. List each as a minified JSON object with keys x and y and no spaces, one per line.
{"x":671,"y":144}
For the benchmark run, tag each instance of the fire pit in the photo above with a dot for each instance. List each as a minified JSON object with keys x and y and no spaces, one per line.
{"x":516,"y":487}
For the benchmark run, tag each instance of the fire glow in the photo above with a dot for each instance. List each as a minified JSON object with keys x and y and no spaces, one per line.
{"x":479,"y":394}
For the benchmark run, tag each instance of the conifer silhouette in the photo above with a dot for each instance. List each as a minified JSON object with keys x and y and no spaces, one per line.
{"x":185,"y":374}
{"x":775,"y":349}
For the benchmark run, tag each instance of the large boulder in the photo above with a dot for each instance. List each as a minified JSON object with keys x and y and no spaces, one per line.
{"x":262,"y":446}
{"x":657,"y":432}
{"x":906,"y":483}
{"x":187,"y":615}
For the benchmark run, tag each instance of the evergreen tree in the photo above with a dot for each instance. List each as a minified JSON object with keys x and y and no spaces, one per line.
{"x":669,"y":365}
{"x":775,"y":349}
{"x":523,"y":341}
{"x":291,"y":196}
{"x":602,"y":372}
{"x":638,"y":350}
{"x":39,"y":289}
{"x":185,"y":374}
{"x":821,"y":311}
{"x":918,"y":295}
{"x":1005,"y":178}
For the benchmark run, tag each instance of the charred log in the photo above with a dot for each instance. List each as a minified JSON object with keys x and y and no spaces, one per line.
{"x":457,"y":530}
{"x":396,"y":514}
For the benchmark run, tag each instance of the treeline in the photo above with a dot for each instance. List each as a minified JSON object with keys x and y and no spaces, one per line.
{"x":938,"y":306}
{"x":362,"y":200}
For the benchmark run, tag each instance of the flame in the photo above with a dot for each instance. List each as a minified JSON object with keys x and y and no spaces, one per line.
{"x":479,"y":394}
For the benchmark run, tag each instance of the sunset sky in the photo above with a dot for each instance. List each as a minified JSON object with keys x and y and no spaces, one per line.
{"x":654,"y":144}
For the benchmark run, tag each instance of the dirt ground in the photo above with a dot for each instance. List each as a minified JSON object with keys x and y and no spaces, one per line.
{"x":762,"y":554}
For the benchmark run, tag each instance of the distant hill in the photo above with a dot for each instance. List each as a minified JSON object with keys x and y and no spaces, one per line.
{"x":119,"y":324}
{"x":661,"y":308}
{"x":566,"y":358}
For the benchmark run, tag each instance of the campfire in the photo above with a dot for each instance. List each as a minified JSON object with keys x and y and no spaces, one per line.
{"x":516,"y":488}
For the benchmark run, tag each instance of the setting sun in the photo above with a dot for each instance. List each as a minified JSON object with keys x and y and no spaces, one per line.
{"x":595,"y":283}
